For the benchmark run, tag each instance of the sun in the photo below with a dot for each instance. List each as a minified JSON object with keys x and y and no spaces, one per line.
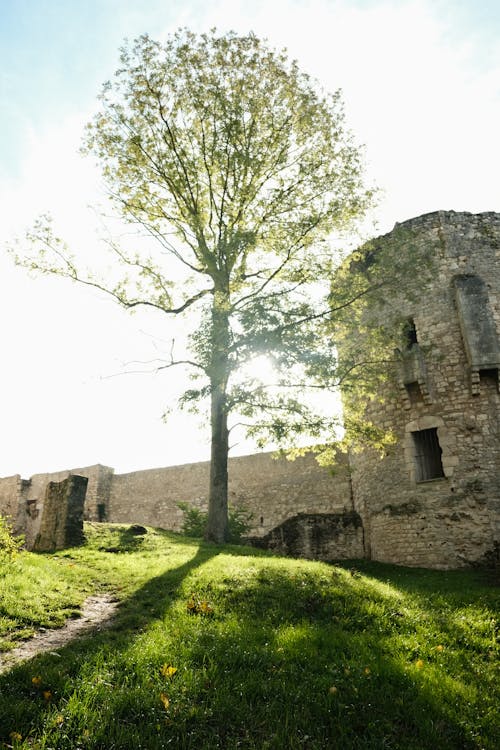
{"x":260,"y":368}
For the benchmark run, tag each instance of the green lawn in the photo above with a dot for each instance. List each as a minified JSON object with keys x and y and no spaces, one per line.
{"x":228,"y":647}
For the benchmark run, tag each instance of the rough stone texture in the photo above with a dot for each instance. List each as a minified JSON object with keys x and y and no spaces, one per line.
{"x":61,"y":520}
{"x":318,"y":536}
{"x":476,"y":321}
{"x":271,"y":489}
{"x":450,"y":521}
{"x":10,"y":492}
{"x":28,"y":498}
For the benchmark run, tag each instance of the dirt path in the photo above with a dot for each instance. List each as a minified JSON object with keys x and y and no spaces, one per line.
{"x":97,"y":613}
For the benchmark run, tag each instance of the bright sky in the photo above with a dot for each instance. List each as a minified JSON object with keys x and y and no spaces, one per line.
{"x":421,"y":83}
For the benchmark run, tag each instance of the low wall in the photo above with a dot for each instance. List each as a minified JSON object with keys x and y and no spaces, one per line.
{"x":318,"y":536}
{"x":22,"y":500}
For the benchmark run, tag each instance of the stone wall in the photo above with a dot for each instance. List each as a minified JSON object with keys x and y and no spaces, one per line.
{"x":317,"y":536}
{"x":10,"y":492}
{"x":29,"y":499}
{"x":271,"y":489}
{"x":61,"y":523}
{"x":453,"y":519}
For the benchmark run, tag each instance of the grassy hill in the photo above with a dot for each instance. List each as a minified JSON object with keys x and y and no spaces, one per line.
{"x":228,"y":647}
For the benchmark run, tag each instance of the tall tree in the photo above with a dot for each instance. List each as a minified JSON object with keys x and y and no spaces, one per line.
{"x":241,"y":169}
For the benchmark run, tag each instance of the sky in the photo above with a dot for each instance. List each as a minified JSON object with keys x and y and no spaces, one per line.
{"x":421,"y":86}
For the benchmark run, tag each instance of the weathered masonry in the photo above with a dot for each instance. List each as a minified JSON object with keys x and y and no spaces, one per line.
{"x":273,"y":490}
{"x":432,"y":501}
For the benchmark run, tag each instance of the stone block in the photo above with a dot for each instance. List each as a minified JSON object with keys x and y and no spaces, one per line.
{"x":61,"y":523}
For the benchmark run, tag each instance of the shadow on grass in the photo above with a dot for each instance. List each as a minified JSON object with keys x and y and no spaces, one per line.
{"x":148,"y":603}
{"x":287,"y":660}
{"x":423,"y":581}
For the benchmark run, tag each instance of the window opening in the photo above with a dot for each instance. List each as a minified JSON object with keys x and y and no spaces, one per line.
{"x":414,"y":393}
{"x":427,"y":455}
{"x":410,"y":333}
{"x":489,"y":375}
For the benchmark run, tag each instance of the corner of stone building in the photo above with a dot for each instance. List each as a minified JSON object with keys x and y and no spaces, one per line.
{"x":446,"y":422}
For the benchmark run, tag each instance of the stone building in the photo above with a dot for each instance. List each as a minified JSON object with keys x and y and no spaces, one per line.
{"x":431,"y":501}
{"x":434,"y":499}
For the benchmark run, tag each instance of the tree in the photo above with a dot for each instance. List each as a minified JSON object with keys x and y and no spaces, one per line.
{"x":240,"y":169}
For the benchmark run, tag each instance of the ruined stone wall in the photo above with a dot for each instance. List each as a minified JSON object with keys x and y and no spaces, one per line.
{"x":275,"y":489}
{"x":271,"y":489}
{"x":98,"y":494}
{"x":31,"y":503}
{"x":317,"y":536}
{"x":61,"y":523}
{"x":452,"y":520}
{"x":10,"y":490}
{"x":22,"y":500}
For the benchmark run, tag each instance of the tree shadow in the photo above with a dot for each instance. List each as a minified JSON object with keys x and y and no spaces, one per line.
{"x":130,"y":539}
{"x":150,"y":602}
{"x":263,"y":682}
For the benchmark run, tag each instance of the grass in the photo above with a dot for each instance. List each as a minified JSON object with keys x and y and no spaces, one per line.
{"x":228,"y":647}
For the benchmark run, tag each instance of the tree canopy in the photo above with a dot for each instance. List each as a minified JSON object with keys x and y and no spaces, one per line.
{"x":241,"y":170}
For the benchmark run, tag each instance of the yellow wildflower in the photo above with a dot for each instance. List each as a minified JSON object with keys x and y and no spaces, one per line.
{"x":440,"y":648}
{"x":333,"y":690}
{"x":36,"y":681}
{"x":59,"y":719}
{"x":47,"y":694}
{"x":367,"y":670}
{"x":168,"y":671}
{"x":15,"y":736}
{"x":165,"y":700}
{"x":197,"y":606}
{"x":419,"y":663}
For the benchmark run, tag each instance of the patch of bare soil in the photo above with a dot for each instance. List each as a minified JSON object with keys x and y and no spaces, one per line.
{"x":97,"y":613}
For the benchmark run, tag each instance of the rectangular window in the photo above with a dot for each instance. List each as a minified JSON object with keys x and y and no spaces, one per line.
{"x":410,"y":333}
{"x":427,"y":455}
{"x":414,"y":393}
{"x":489,"y":375}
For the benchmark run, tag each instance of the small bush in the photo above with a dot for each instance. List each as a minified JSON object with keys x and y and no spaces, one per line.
{"x":240,"y":523}
{"x":195,"y":522}
{"x":9,"y":544}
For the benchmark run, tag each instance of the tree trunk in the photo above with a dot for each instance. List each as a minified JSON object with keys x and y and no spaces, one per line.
{"x":217,"y":524}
